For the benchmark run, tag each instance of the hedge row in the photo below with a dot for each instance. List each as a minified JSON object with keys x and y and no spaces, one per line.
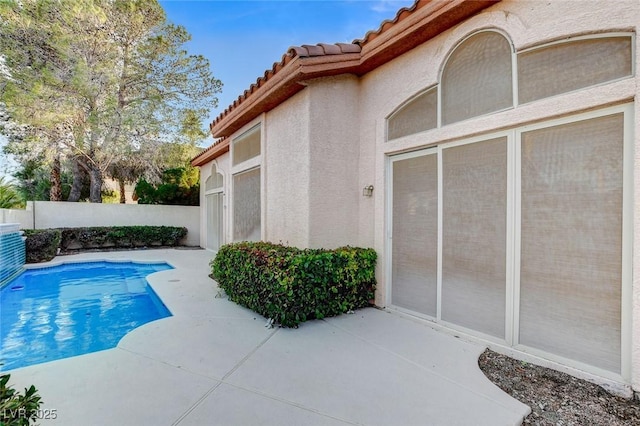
{"x":290,"y":285}
{"x":121,"y":236}
{"x":43,"y":244}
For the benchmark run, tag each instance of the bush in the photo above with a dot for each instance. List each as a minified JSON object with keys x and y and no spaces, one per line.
{"x":41,"y":245}
{"x":179,"y":186}
{"x":121,"y":236}
{"x":290,"y":285}
{"x":17,"y":409}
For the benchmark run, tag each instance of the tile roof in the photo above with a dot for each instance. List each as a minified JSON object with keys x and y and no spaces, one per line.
{"x":410,"y":27}
{"x":388,"y":23}
{"x":218,"y":148}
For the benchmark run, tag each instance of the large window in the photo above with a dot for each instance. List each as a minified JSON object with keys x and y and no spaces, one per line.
{"x":478,"y":77}
{"x":214,"y":200}
{"x":568,"y":66}
{"x":246,"y":146}
{"x":474,"y":234}
{"x":415,"y":228}
{"x":571,"y":240}
{"x":519,"y":237}
{"x":417,"y":115}
{"x":246,"y":206}
{"x":246,"y":191}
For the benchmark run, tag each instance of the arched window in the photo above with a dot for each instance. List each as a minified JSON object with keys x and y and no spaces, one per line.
{"x":477,"y":78}
{"x":214,"y":181}
{"x":214,"y":200}
{"x":417,"y":115}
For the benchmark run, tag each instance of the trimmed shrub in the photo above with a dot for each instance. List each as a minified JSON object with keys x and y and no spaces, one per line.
{"x":290,"y":285}
{"x":121,"y":236}
{"x":41,"y":245}
{"x":17,"y":409}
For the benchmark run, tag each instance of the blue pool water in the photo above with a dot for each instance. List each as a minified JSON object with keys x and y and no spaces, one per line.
{"x":73,"y":309}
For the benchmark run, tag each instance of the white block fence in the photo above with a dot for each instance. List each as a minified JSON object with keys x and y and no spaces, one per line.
{"x":56,"y":214}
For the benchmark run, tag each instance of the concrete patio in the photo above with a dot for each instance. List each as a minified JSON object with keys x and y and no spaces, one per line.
{"x":215,"y":363}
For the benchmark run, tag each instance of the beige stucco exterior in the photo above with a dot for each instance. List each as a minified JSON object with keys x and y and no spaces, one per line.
{"x":325,"y":143}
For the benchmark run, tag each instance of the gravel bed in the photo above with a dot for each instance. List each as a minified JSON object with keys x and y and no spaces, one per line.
{"x":557,"y":398}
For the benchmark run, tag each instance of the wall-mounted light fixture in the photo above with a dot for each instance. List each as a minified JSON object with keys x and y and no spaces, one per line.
{"x":367,"y":191}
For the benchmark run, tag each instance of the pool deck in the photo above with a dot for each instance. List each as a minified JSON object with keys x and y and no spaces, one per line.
{"x":215,"y":363}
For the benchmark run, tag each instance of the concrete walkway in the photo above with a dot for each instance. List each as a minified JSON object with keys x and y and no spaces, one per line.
{"x":215,"y":363}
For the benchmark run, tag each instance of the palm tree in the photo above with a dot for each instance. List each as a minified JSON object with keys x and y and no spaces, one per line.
{"x":9,"y":197}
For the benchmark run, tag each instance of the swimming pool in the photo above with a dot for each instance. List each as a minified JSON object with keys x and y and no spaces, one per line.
{"x":72,"y":309}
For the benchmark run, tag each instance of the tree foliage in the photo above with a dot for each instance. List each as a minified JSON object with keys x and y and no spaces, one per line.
{"x":179,"y":186}
{"x":97,"y":80}
{"x":9,"y":196}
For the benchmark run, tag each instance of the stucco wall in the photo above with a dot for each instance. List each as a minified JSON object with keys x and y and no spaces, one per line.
{"x":51,"y":214}
{"x":526,"y":23}
{"x":286,"y":175}
{"x":334,"y":192}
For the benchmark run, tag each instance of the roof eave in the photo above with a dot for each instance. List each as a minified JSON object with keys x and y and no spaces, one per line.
{"x":211,"y":153}
{"x":423,"y":22}
{"x":426,"y":22}
{"x":282,"y":86}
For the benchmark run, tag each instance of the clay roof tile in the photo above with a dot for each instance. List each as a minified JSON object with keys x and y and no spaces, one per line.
{"x":297,"y":50}
{"x":348,"y":48}
{"x":313,"y":50}
{"x":330,"y":49}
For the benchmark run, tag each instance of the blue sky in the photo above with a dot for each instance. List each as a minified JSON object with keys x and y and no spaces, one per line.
{"x":242,"y":39}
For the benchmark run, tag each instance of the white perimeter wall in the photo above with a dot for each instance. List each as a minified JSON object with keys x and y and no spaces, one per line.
{"x":51,"y":214}
{"x":22,"y":216}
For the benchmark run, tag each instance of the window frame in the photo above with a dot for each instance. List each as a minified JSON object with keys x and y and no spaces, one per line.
{"x":245,"y":166}
{"x":514,"y":77}
{"x":513,"y":256}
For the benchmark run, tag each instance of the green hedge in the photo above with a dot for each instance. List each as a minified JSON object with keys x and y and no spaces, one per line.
{"x":121,"y":236}
{"x":290,"y":285}
{"x":41,"y":245}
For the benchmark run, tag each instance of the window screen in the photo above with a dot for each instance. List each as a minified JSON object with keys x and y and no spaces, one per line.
{"x":246,"y":206}
{"x":214,"y":181}
{"x":474,"y":235}
{"x":214,"y":220}
{"x":415,"y":234}
{"x":477,"y":78}
{"x":418,"y":115}
{"x":564,"y":67}
{"x":246,"y":146}
{"x":571,"y":240}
